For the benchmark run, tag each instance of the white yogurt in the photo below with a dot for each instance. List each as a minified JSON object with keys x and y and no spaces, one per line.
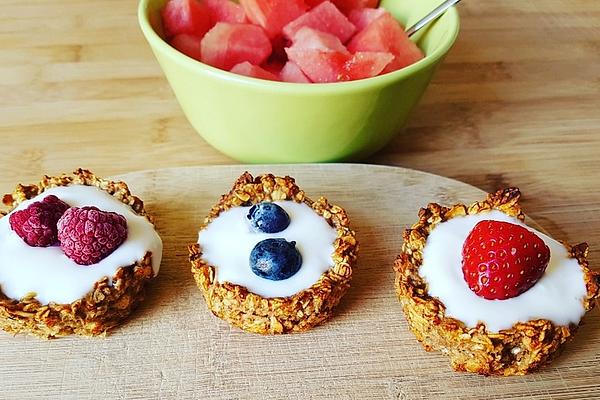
{"x":557,"y":296}
{"x":48,"y":272}
{"x":227,"y":241}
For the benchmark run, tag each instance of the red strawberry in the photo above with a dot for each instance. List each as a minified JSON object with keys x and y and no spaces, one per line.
{"x":502,"y":260}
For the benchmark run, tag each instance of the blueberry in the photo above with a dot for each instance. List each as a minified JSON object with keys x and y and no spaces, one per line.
{"x":268,"y":217}
{"x":275,"y":259}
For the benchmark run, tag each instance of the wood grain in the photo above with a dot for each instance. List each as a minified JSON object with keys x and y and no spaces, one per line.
{"x":517,"y":102}
{"x":173,"y":347}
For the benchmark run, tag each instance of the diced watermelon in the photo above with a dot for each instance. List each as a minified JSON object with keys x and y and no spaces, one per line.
{"x":292,"y":73}
{"x":219,"y":33}
{"x":273,"y":15}
{"x":313,"y":3}
{"x":185,"y":16}
{"x":227,"y":44}
{"x":225,"y":11}
{"x":385,"y":34}
{"x":187,"y":44}
{"x":320,"y":66}
{"x":326,"y":18}
{"x":324,"y":66}
{"x":346,"y":6}
{"x":367,"y":64}
{"x":320,"y":56}
{"x":362,"y":18}
{"x":279,"y":44}
{"x":274,"y":66}
{"x":308,"y":38}
{"x":253,"y":71}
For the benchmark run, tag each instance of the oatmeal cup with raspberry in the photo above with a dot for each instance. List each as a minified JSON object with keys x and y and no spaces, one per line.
{"x":495,"y":295}
{"x":76,"y":255}
{"x":270,"y":260}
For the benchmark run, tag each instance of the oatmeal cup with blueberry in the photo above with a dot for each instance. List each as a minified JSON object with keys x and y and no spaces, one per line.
{"x":76,"y":254}
{"x":270,"y":260}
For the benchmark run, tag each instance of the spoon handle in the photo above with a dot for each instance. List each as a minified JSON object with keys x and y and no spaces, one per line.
{"x":431,"y":16}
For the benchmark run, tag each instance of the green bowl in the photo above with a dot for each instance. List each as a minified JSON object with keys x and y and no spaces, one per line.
{"x":260,"y":121}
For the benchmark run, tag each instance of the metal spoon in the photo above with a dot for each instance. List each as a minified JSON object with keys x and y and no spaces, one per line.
{"x":435,"y":14}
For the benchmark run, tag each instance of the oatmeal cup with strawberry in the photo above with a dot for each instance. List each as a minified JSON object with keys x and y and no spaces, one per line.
{"x":495,"y":295}
{"x":270,"y":260}
{"x":76,"y":254}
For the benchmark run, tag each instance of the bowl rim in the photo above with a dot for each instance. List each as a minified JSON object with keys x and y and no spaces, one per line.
{"x":157,"y":42}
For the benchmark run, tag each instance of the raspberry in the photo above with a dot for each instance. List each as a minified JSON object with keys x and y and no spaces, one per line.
{"x":87,"y":235}
{"x":36,"y":224}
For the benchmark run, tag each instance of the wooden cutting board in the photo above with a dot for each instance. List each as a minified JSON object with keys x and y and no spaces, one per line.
{"x":173,"y":347}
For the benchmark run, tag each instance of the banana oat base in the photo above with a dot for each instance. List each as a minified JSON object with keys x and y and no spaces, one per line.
{"x":516,"y":351}
{"x":106,"y":305}
{"x":300,"y":312}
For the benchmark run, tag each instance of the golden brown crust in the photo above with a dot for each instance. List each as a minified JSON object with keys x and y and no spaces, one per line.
{"x":300,"y":312}
{"x":104,"y":307}
{"x":516,"y":351}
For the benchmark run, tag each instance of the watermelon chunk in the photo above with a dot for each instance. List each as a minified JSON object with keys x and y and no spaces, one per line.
{"x":320,"y":66}
{"x":362,"y":18}
{"x":313,"y":3}
{"x":253,"y":71}
{"x":326,"y":18}
{"x":185,"y":16}
{"x":308,"y":38}
{"x":225,"y":11}
{"x":273,"y":15}
{"x":292,"y":73}
{"x":187,"y":44}
{"x":346,"y":6}
{"x":273,"y":66}
{"x":367,"y":64}
{"x":324,"y":66}
{"x":227,"y":44}
{"x":320,"y":56}
{"x":385,"y":34}
{"x":279,"y":44}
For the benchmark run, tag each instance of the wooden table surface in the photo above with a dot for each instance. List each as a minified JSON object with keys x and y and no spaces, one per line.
{"x":179,"y":350}
{"x":517,"y":102}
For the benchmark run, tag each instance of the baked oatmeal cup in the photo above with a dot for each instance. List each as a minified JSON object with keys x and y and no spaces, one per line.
{"x":270,"y":260}
{"x":494,"y":295}
{"x":76,"y":254}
